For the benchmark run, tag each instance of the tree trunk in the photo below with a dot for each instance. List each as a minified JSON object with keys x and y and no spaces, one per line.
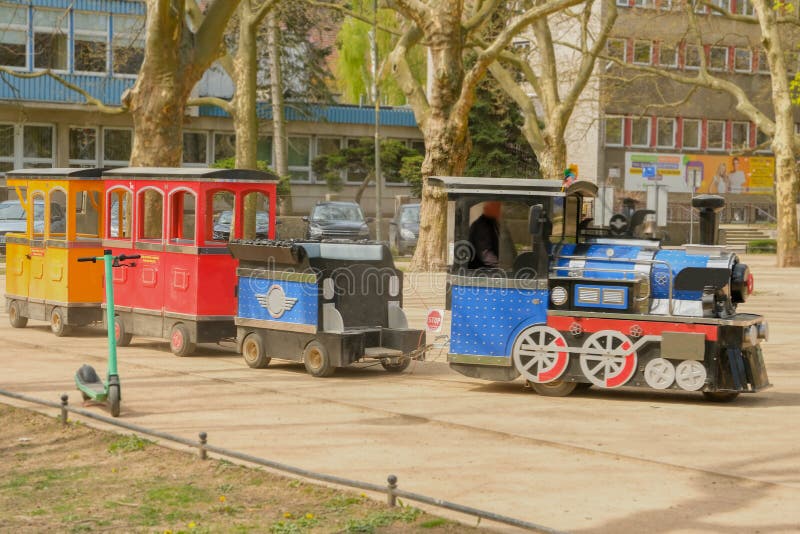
{"x":783,"y":143}
{"x":363,"y":187}
{"x":446,"y":152}
{"x":279,"y":140}
{"x":553,"y":157}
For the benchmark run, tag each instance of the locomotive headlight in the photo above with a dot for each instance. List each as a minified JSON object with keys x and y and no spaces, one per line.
{"x":752,"y":334}
{"x":763,"y":331}
{"x":558,"y":295}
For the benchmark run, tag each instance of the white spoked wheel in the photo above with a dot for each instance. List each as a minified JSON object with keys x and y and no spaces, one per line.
{"x":659,"y":373}
{"x":609,"y":360}
{"x":538,"y":354}
{"x":691,"y":375}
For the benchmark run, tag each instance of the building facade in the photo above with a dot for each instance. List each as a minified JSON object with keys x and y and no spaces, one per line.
{"x":638,"y":129}
{"x":97,"y":46}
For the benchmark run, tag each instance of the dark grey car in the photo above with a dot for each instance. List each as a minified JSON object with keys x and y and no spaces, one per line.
{"x":404,"y":229}
{"x":337,"y":220}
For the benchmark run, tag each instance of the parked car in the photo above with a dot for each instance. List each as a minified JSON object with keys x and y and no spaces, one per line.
{"x":222,"y":226}
{"x":12,"y":219}
{"x":337,"y":220}
{"x":404,"y":229}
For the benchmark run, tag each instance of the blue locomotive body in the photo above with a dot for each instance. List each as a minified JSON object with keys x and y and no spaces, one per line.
{"x":587,"y":308}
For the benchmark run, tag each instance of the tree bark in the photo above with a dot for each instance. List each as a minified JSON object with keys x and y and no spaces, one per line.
{"x":783,"y":141}
{"x":279,"y":139}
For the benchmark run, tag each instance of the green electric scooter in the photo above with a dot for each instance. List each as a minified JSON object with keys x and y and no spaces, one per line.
{"x":89,"y":384}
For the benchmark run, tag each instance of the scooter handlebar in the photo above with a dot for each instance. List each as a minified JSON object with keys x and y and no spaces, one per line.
{"x":91,"y":259}
{"x":123,"y":257}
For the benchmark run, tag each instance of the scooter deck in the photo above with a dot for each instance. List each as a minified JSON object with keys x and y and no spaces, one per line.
{"x":95,"y":390}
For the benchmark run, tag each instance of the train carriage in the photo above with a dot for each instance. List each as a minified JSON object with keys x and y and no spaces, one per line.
{"x":180,"y":221}
{"x":584,"y":307}
{"x":63,"y":219}
{"x":326,"y":303}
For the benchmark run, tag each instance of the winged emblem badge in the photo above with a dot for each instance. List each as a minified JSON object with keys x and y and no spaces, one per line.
{"x":275,"y":301}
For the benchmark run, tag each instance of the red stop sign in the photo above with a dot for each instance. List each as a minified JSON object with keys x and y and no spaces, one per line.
{"x":434,"y":321}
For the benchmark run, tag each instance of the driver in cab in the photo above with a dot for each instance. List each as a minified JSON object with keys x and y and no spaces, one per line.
{"x":484,"y":235}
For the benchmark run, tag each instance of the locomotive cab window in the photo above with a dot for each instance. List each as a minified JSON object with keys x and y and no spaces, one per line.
{"x":118,"y":214}
{"x":565,"y":218}
{"x":57,"y":227}
{"x":183,"y":210}
{"x":87,"y":214}
{"x":150,"y":218}
{"x":219,"y":216}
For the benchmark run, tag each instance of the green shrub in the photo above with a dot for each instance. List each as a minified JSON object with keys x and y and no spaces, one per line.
{"x":762,"y":246}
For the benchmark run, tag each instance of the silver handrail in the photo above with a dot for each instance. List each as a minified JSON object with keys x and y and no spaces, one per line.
{"x":617,"y":260}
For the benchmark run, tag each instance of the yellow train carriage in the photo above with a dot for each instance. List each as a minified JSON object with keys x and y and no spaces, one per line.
{"x":44,"y":281}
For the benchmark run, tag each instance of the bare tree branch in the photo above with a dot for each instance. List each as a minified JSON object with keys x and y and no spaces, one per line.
{"x":352,"y":14}
{"x":221,"y":103}
{"x":398,"y":60}
{"x":209,"y":34}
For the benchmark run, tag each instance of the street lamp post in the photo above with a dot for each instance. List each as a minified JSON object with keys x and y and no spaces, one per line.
{"x":377,"y":100}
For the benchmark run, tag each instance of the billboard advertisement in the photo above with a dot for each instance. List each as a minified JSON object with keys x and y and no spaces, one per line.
{"x":703,"y":173}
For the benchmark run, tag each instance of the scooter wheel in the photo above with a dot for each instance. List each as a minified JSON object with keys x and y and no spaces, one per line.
{"x":113,"y":400}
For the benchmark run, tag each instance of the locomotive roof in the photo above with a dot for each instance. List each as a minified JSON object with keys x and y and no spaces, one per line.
{"x":59,"y":173}
{"x":192,"y":173}
{"x":467,"y":185}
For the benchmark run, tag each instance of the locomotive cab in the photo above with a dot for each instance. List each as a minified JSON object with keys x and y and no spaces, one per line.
{"x":583,"y":305}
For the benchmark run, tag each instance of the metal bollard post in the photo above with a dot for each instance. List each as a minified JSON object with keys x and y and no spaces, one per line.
{"x":202,"y":446}
{"x":64,"y":402}
{"x":391,"y":498}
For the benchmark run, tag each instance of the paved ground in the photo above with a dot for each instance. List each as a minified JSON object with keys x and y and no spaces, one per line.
{"x":597,"y":462}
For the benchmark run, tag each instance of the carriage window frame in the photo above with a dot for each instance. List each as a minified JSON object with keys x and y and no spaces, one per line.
{"x":107,"y":220}
{"x":175,"y":211}
{"x":140,"y":215}
{"x":32,"y":219}
{"x":88,"y":201}
{"x":48,"y":211}
{"x":270,"y":215}
{"x":209,"y":220}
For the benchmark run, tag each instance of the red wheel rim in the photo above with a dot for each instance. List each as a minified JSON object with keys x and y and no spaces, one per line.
{"x":177,"y":339}
{"x":750,"y":284}
{"x":116,"y":330}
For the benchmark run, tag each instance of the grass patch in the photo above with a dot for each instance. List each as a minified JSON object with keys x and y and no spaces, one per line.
{"x":130,"y":443}
{"x":95,"y":481}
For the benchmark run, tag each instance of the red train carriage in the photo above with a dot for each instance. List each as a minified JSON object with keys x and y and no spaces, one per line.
{"x":180,"y":221}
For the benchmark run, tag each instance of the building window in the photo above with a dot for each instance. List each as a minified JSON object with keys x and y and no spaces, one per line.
{"x":790,"y":60}
{"x":666,"y":133}
{"x":623,"y":3}
{"x":716,"y":135}
{"x":722,"y":4}
{"x":691,"y":134}
{"x":38,"y":146}
{"x":117,"y":145}
{"x":718,"y":58}
{"x":642,"y":52}
{"x":224,"y":146}
{"x":646,"y":4}
{"x":195,"y":148}
{"x":744,"y":7}
{"x":615,"y":131}
{"x":419,"y":146}
{"x":692,"y":57}
{"x":90,"y":42}
{"x":615,"y":48}
{"x":6,"y":147}
{"x":328,"y":145}
{"x":50,"y":39}
{"x":264,"y":150}
{"x":665,"y":5}
{"x":763,"y":64}
{"x":740,"y":135}
{"x":127,"y":42}
{"x":640,"y":131}
{"x":667,"y":55}
{"x":82,"y":147}
{"x":763,"y":141}
{"x":13,"y":36}
{"x":742,"y":60}
{"x":299,"y":158}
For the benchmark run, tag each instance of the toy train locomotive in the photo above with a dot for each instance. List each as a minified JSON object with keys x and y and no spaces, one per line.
{"x":583,"y":308}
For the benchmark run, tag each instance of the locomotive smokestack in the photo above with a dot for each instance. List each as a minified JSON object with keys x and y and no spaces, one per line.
{"x":709,"y":207}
